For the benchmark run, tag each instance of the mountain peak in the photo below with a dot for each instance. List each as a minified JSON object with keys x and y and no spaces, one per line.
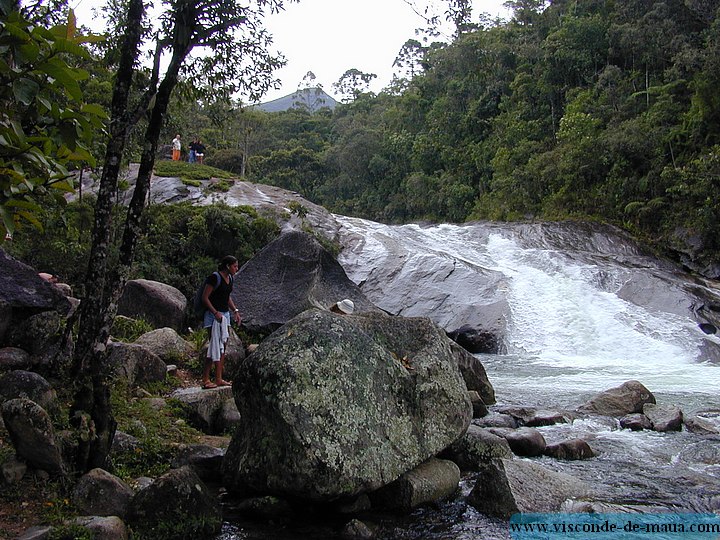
{"x":310,"y":99}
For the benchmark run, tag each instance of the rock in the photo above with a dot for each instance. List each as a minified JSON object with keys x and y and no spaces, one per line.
{"x":572,"y":449}
{"x":33,"y":435}
{"x":663,"y":417}
{"x":532,"y":417}
{"x":159,"y":304}
{"x":476,"y":448}
{"x":495,"y":419}
{"x":635,"y":422}
{"x":229,"y":416}
{"x":290,"y":275}
{"x":473,"y":373}
{"x":122,"y":442}
{"x":700,"y":425}
{"x":41,"y":335}
{"x":204,"y":459}
{"x":708,"y":328}
{"x":167,"y":344}
{"x":432,"y":481}
{"x":475,"y":340}
{"x":506,"y":487}
{"x":155,"y":403}
{"x":627,"y":398}
{"x":104,"y":528}
{"x":13,"y":470}
{"x":99,"y":493}
{"x":177,"y":501}
{"x":26,"y":293}
{"x":39,"y":532}
{"x":523,"y":441}
{"x":478,"y":405}
{"x":205,"y":408}
{"x":548,"y":418}
{"x":14,"y":358}
{"x":334,"y":406}
{"x":29,"y":385}
{"x":448,"y":289}
{"x":134,"y":363}
{"x":356,"y":529}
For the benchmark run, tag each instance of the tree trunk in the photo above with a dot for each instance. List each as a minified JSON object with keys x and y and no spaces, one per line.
{"x":91,"y":412}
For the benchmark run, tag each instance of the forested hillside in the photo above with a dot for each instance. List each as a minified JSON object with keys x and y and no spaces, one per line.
{"x":594,"y":109}
{"x":599,"y":109}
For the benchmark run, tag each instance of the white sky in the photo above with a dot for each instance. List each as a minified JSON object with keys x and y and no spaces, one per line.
{"x":328,"y":37}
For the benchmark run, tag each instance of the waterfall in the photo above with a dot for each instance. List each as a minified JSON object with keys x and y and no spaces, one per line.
{"x":568,"y":332}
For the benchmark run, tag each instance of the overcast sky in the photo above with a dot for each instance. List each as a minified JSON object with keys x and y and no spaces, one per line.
{"x":328,"y":37}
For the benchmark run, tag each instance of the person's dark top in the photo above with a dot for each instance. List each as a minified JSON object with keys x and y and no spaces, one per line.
{"x":220,"y":297}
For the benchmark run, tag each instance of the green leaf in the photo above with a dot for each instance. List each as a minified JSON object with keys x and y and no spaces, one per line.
{"x":59,"y":71}
{"x":25,"y":90}
{"x":94,"y":108}
{"x":67,"y":46}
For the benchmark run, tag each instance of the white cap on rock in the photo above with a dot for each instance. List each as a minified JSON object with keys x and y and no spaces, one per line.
{"x":346,"y":306}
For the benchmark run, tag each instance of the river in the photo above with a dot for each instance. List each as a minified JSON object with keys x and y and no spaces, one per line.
{"x":570,"y":332}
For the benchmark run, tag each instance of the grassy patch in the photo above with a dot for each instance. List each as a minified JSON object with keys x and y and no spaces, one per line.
{"x":128,"y":330}
{"x":189,"y":171}
{"x":158,"y":431}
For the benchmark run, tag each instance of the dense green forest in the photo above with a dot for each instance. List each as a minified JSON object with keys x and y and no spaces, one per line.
{"x":595,"y":109}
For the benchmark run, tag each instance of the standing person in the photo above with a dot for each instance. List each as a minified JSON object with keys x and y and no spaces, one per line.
{"x":176,"y":147}
{"x":199,"y":151}
{"x":216,"y":298}
{"x":192,"y":151}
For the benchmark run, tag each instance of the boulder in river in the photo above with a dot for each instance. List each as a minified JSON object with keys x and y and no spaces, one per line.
{"x":333,"y":406}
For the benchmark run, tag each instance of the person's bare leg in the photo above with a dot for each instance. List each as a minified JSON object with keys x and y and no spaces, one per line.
{"x":206,"y":374}
{"x":219,"y":372}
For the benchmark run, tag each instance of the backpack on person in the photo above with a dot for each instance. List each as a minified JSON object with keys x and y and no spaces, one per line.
{"x":199,"y":308}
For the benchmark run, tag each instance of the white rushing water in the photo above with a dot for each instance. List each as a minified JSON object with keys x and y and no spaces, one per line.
{"x":578,"y":337}
{"x":569,"y":335}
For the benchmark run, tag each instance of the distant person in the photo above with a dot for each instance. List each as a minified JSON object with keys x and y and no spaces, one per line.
{"x":216,"y":298}
{"x":192,"y":151}
{"x":343,"y":307}
{"x":176,"y":147}
{"x":199,"y":151}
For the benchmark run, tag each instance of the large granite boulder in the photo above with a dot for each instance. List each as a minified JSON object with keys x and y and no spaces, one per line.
{"x":99,"y":493}
{"x":205,"y":408}
{"x":33,"y":436}
{"x":29,"y":385}
{"x":168,"y":345}
{"x":134,"y":363}
{"x":26,"y":293}
{"x":290,"y":275}
{"x":333,"y":406}
{"x":159,"y":304}
{"x":178,"y":499}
